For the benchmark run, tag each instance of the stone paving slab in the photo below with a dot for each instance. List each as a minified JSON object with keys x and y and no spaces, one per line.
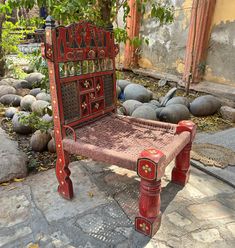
{"x":202,"y":214}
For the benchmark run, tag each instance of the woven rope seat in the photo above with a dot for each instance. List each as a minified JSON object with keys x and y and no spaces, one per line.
{"x":120,"y":140}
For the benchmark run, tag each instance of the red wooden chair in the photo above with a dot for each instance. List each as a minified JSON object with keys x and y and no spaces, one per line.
{"x":81,"y":61}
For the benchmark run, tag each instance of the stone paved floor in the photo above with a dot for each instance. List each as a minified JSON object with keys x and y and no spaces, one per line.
{"x":202,"y":214}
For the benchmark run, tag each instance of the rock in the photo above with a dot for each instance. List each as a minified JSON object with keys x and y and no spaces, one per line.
{"x":22,"y":92}
{"x":39,"y":141}
{"x":22,"y":84}
{"x":136,"y":92}
{"x":27,"y":69}
{"x":168,"y":96}
{"x":3,"y":82}
{"x":13,"y":161}
{"x":51,"y":146}
{"x":179,"y":100}
{"x":47,"y":118}
{"x":44,"y":97}
{"x":10,"y":112}
{"x":39,"y":106}
{"x":158,"y":111}
{"x":228,"y":113}
{"x":150,"y":94}
{"x":174,"y":113}
{"x":155,"y":102}
{"x":7,"y":81}
{"x":118,"y":91}
{"x":11,"y":99}
{"x":130,"y":106}
{"x":205,"y":105}
{"x":154,"y":107}
{"x":35,"y":77}
{"x":35,"y":91}
{"x":27,"y":102}
{"x":144,"y":112}
{"x":17,"y":126}
{"x":123,"y":83}
{"x":6,"y":89}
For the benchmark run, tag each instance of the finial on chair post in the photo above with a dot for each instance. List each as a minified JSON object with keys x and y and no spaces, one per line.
{"x":50,"y":22}
{"x":109,"y":27}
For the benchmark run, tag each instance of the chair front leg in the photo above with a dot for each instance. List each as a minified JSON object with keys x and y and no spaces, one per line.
{"x":65,"y":187}
{"x":149,"y":219}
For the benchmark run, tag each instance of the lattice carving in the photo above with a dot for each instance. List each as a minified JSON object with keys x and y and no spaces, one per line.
{"x":70,"y":101}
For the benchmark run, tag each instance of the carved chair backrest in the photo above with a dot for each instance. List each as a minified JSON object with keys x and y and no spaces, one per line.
{"x":81,"y":63}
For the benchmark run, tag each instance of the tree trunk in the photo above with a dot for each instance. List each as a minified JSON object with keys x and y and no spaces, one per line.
{"x":105,"y":10}
{"x":2,"y":58}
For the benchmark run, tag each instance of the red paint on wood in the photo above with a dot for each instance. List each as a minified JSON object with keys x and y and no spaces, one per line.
{"x":133,"y":30}
{"x":197,"y":44}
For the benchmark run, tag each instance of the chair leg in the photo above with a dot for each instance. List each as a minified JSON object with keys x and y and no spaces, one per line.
{"x":181,"y":171}
{"x":149,"y":219}
{"x":65,"y":187}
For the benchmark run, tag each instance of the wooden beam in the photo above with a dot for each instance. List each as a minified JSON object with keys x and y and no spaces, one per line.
{"x":133,"y":30}
{"x":197,"y":44}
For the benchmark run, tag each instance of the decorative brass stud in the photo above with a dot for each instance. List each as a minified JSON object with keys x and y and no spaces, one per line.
{"x":97,"y":105}
{"x":98,"y":87}
{"x":152,"y":151}
{"x":84,"y":105}
{"x":144,"y":227}
{"x":146,"y":168}
{"x":60,"y":171}
{"x":86,"y":84}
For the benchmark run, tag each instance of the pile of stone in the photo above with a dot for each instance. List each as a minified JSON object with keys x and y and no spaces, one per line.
{"x":138,"y":102}
{"x":22,"y":98}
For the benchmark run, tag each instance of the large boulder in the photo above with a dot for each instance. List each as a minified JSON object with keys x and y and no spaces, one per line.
{"x":136,"y":92}
{"x":130,"y":106}
{"x":174,"y":113}
{"x":179,"y":100}
{"x":154,"y":107}
{"x":22,"y":92}
{"x":6,"y":89}
{"x":123,"y":83}
{"x":35,"y":77}
{"x":7,"y":81}
{"x":205,"y":105}
{"x":13,"y":161}
{"x":9,"y":113}
{"x":39,"y":106}
{"x":18,"y":127}
{"x":51,"y":146}
{"x":39,"y":141}
{"x":27,"y":102}
{"x":35,"y":91}
{"x":47,"y":118}
{"x":11,"y":99}
{"x":118,"y":90}
{"x":44,"y":97}
{"x":155,"y":102}
{"x":22,"y":84}
{"x":168,"y":96}
{"x":144,"y":112}
{"x":158,"y":111}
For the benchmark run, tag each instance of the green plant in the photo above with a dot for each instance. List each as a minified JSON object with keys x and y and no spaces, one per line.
{"x":34,"y":121}
{"x":39,"y":64}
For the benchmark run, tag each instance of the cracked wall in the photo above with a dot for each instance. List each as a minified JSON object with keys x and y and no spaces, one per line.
{"x":221,"y":51}
{"x":167,"y":44}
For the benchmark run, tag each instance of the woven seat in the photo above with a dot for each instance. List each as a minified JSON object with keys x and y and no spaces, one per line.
{"x":120,"y":140}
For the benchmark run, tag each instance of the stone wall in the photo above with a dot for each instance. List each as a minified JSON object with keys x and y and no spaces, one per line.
{"x":221,"y":52}
{"x":167,"y":44}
